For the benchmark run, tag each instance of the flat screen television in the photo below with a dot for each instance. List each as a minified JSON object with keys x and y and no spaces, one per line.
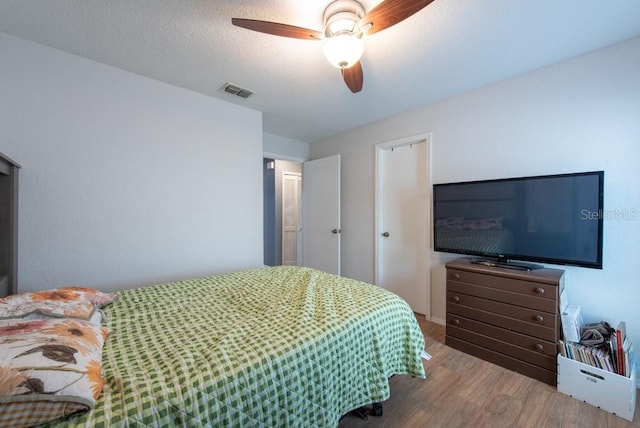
{"x":554,"y":219}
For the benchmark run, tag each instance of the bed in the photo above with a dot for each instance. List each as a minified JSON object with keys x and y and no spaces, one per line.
{"x":280,"y":346}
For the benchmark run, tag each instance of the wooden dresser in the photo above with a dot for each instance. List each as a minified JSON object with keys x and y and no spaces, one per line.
{"x":505,"y":316}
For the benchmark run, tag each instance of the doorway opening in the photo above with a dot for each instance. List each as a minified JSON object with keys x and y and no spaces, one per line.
{"x":282,"y":230}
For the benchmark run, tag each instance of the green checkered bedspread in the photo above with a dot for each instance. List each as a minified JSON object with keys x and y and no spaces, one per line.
{"x":271,"y":347}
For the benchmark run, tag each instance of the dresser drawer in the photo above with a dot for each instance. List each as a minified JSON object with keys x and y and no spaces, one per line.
{"x":530,"y":343}
{"x":527,"y":369}
{"x":505,"y":296}
{"x":532,"y":357}
{"x":536,"y":317}
{"x":502,"y":321}
{"x":530,"y":288}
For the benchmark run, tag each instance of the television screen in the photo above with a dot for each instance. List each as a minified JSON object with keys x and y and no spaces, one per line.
{"x":553,"y":219}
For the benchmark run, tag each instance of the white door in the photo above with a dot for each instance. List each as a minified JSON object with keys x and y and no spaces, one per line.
{"x":402,"y":221}
{"x":291,"y":218}
{"x":321,"y":214}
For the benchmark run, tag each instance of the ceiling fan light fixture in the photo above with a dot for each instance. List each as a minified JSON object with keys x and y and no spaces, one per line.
{"x":345,"y":24}
{"x":343,"y":50}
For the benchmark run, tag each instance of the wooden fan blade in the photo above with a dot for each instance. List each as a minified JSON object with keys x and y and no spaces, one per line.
{"x":390,"y":12}
{"x":353,"y":77}
{"x":277,"y":29}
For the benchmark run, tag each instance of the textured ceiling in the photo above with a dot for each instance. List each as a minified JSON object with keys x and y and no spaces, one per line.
{"x":449,"y":47}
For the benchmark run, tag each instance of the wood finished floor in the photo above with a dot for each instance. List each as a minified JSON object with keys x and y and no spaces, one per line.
{"x":464,"y":391}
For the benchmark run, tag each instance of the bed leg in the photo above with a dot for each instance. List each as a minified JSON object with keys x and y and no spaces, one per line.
{"x":363,"y":412}
{"x":376,"y":409}
{"x":360,"y":412}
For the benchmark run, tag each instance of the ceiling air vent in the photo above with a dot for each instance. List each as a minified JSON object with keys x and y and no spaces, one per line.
{"x":237,"y":90}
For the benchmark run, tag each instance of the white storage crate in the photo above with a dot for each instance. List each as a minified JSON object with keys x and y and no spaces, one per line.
{"x":609,"y":391}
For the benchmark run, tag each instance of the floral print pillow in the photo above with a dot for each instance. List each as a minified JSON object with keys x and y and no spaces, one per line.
{"x":75,"y":302}
{"x":57,"y":362}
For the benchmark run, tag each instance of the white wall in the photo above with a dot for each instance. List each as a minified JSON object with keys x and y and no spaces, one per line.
{"x":125,"y":180}
{"x":578,"y":115}
{"x":283,"y":148}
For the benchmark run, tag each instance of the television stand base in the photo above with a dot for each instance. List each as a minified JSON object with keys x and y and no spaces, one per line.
{"x":507,"y":264}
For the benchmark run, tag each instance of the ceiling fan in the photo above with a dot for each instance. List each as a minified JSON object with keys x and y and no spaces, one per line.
{"x":345,"y":23}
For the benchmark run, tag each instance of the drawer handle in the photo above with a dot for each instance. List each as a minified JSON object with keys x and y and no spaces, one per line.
{"x":539,"y":347}
{"x":455,"y":299}
{"x":540,"y":290}
{"x":456,"y":276}
{"x":539,"y":318}
{"x":455,"y":322}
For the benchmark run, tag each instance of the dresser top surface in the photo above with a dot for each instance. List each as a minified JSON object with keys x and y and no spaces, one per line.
{"x":547,"y":275}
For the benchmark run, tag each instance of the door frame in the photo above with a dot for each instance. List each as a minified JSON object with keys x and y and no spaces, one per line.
{"x":379,"y":148}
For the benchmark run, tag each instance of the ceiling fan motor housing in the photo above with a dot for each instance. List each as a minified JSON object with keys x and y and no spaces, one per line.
{"x":342,"y":17}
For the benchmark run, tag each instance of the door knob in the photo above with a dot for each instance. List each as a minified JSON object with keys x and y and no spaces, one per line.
{"x":385,"y":234}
